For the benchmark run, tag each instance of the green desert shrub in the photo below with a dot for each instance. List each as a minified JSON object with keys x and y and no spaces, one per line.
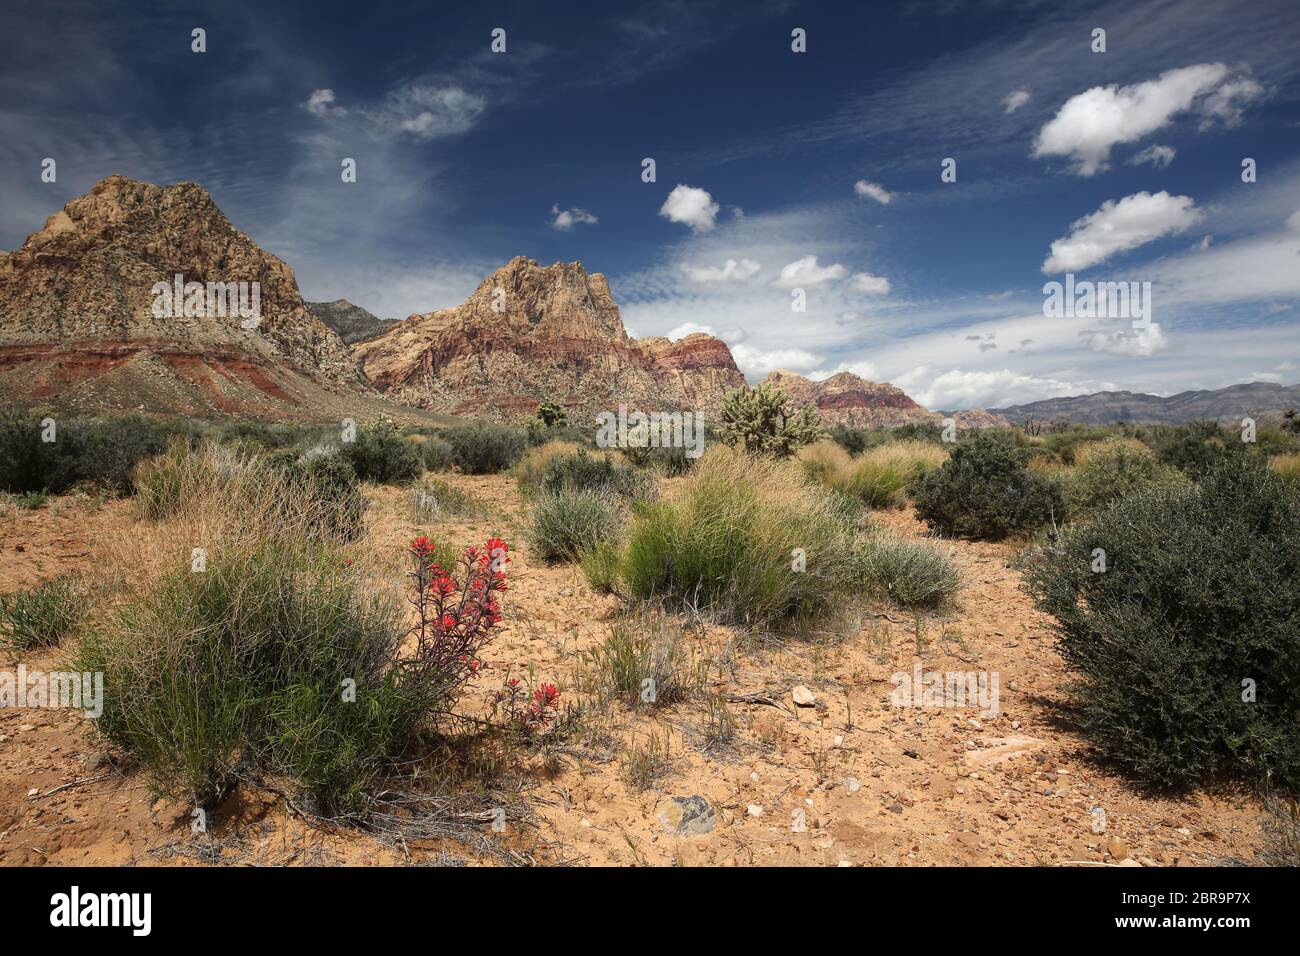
{"x":1107,"y":471}
{"x":763,"y":421}
{"x":600,"y":564}
{"x":584,"y":471}
{"x":911,"y":574}
{"x":567,"y":523}
{"x":985,"y":490}
{"x":44,"y":615}
{"x":437,"y":453}
{"x":382,"y":454}
{"x":1196,"y":448}
{"x":244,"y":667}
{"x":319,"y":492}
{"x":99,"y":451}
{"x":484,"y":448}
{"x":747,"y":537}
{"x":1179,"y":607}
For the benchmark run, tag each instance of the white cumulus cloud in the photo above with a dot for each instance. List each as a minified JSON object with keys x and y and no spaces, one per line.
{"x":1015,"y":99}
{"x":691,"y":206}
{"x":1138,"y":342}
{"x":872,"y":191}
{"x":755,"y":362}
{"x":866,"y":282}
{"x":1090,"y":123}
{"x":805,"y":271}
{"x":565,"y":219}
{"x":1158,"y":156}
{"x":731,"y":271}
{"x":321,"y":103}
{"x":1120,"y":226}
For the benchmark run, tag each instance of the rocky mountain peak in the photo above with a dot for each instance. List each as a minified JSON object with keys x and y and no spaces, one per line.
{"x":89,"y":276}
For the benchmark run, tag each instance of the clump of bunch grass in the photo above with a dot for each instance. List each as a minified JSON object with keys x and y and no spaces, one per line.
{"x":44,"y":615}
{"x":878,"y":476}
{"x":1288,"y":466}
{"x":645,"y":663}
{"x":911,"y":574}
{"x":530,"y":468}
{"x":284,"y":494}
{"x":249,"y":665}
{"x":747,"y":537}
{"x":646,"y":762}
{"x":567,"y":524}
{"x":434,"y":498}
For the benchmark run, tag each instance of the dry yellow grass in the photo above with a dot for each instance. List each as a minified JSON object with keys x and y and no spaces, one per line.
{"x":879,"y":475}
{"x":1288,"y":466}
{"x":1087,"y":449}
{"x":528,"y":472}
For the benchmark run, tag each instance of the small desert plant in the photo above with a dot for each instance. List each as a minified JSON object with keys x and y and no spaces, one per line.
{"x":42,"y":616}
{"x":646,"y":762}
{"x":719,"y":723}
{"x":748,"y":537}
{"x":1107,"y":471}
{"x":483,"y":448}
{"x":550,"y":415}
{"x":600,"y":565}
{"x":1180,"y":609}
{"x":33,"y":500}
{"x":760,"y":421}
{"x":568,"y":523}
{"x":381,"y":453}
{"x":644,"y":663}
{"x":1281,"y":832}
{"x":985,"y":490}
{"x":434,"y":499}
{"x":524,"y":712}
{"x":908,"y":573}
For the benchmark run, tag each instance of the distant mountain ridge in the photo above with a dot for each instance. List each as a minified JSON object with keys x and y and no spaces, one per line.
{"x":852,"y":401}
{"x":352,"y":323}
{"x":1103,"y":408}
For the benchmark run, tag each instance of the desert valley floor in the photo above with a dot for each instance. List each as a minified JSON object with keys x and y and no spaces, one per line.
{"x":877,"y":785}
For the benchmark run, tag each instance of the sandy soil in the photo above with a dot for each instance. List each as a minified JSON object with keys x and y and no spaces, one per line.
{"x":849,"y":781}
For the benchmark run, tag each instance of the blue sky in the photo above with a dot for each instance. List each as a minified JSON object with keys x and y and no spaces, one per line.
{"x":817,"y":170}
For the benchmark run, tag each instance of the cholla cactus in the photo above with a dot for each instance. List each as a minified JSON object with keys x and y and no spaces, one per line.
{"x":760,"y":421}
